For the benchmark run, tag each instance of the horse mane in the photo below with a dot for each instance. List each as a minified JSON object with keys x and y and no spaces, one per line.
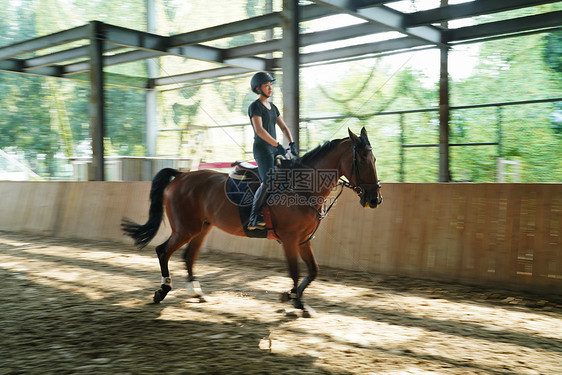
{"x":307,"y":159}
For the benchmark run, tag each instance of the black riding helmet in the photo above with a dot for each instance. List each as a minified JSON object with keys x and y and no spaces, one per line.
{"x":259,"y":79}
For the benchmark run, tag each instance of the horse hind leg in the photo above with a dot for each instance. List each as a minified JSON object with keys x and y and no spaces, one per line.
{"x":190,"y":256}
{"x":166,"y":285}
{"x":164,"y":252}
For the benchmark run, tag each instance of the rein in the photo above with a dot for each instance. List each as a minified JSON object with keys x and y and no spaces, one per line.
{"x":323,"y":212}
{"x":357,"y":188}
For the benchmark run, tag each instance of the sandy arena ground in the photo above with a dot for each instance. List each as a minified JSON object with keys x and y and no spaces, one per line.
{"x":77,"y":307}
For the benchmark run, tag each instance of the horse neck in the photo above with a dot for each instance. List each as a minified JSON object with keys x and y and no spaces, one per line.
{"x":332,"y":162}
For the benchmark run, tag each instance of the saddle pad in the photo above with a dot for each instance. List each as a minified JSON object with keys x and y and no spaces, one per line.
{"x":241,"y":193}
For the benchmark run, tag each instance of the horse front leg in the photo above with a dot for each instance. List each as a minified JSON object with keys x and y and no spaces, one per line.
{"x":291,"y":254}
{"x":307,"y":256}
{"x":295,"y":295}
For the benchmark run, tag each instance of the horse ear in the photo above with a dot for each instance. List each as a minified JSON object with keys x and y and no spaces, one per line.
{"x":353,"y":137}
{"x":364,"y":136}
{"x":364,"y":132}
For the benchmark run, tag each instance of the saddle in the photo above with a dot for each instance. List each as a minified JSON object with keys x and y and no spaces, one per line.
{"x":245,"y":171}
{"x":249,"y":172}
{"x":242,"y":184}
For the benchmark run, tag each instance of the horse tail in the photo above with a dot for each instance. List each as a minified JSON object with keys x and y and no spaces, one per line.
{"x":143,"y":234}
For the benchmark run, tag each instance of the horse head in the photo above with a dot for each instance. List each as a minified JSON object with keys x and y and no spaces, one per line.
{"x":361,"y":172}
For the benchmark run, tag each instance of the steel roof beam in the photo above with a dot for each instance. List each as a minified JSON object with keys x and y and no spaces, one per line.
{"x":511,"y":26}
{"x":383,"y":15}
{"x":133,"y":38}
{"x":194,"y":76}
{"x":66,"y":55}
{"x":195,"y":52}
{"x":114,"y":79}
{"x":227,"y":30}
{"x":18,"y":66}
{"x":131,"y":56}
{"x":47,"y":41}
{"x":123,"y":37}
{"x":307,"y":39}
{"x":374,"y":2}
{"x":342,"y":33}
{"x":122,"y":58}
{"x":267,"y":21}
{"x":155,"y":43}
{"x":246,"y":26}
{"x":12,"y":65}
{"x":253,"y":49}
{"x":469,"y":9}
{"x":57,"y":57}
{"x":249,"y":63}
{"x":232,"y":56}
{"x":362,"y":49}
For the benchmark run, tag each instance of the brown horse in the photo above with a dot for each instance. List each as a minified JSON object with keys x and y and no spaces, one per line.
{"x":196,"y":201}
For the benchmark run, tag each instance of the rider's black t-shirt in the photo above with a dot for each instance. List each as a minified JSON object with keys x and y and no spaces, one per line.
{"x":268,"y":117}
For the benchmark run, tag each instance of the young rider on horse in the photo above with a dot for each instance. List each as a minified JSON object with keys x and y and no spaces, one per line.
{"x":264,"y":115}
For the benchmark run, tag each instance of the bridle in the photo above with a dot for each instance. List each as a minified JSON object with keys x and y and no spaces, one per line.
{"x":358,"y":187}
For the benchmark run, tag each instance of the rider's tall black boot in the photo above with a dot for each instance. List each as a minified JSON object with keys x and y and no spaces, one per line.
{"x":257,"y":221}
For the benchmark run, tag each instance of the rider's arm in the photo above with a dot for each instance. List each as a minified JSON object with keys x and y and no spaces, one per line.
{"x":285,"y":129}
{"x":261,"y":132}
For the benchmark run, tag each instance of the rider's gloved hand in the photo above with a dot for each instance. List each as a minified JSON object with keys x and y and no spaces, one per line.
{"x":293,"y":148}
{"x":281,"y":150}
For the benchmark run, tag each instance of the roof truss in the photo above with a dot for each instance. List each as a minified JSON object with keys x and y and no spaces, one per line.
{"x":421,"y":29}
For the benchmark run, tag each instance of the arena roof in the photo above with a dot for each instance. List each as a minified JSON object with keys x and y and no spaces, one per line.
{"x":412,"y":30}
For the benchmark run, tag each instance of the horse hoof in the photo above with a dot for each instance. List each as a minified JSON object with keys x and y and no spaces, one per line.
{"x":284,"y":297}
{"x":308,"y":312}
{"x":194,"y":290}
{"x":291,"y":314}
{"x":161,"y":293}
{"x":297,"y":304}
{"x":157,"y":298}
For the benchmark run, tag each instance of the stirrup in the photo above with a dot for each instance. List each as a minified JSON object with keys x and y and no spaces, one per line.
{"x":257,"y":223}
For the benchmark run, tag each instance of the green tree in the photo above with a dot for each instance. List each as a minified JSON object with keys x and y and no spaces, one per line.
{"x":509,"y":70}
{"x":552,"y":52}
{"x":45,"y":117}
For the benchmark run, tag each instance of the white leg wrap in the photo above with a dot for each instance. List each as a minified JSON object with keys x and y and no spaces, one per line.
{"x":167,"y":281}
{"x":194,"y":289}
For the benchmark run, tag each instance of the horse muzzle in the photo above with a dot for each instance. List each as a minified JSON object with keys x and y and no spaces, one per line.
{"x":370,"y":199}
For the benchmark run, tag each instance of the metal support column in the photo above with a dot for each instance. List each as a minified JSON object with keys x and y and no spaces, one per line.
{"x":151,"y":127}
{"x":444,"y":173}
{"x":97,"y":101}
{"x":290,"y":65}
{"x":499,"y":116}
{"x":269,"y":32}
{"x":402,"y":151}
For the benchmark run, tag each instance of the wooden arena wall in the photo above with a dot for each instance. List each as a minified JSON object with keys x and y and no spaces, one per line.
{"x":500,"y":235}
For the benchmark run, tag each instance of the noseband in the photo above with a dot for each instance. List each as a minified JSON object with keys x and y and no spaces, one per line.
{"x":357,"y":188}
